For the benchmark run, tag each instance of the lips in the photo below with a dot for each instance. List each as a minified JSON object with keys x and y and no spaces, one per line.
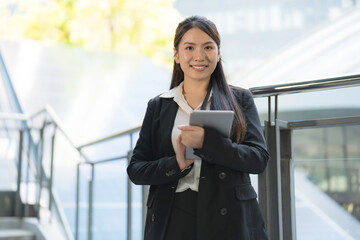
{"x":198,"y":67}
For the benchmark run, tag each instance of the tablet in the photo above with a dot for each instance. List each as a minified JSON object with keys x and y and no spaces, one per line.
{"x":219,"y":120}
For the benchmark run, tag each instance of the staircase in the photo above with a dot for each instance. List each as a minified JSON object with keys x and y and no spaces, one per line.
{"x":20,"y":172}
{"x":11,"y":231}
{"x":8,"y":209}
{"x":16,"y":234}
{"x":8,"y":201}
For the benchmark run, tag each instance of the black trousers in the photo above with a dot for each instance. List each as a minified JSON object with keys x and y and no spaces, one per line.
{"x":182,"y":223}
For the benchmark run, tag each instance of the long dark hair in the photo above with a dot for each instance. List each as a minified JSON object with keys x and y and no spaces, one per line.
{"x":222,"y":96}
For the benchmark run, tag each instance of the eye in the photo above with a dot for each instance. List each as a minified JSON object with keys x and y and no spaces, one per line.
{"x":189,"y":48}
{"x":209,"y":47}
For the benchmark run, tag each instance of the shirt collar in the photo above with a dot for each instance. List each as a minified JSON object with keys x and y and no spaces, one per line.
{"x":172,"y":92}
{"x":177,"y":94}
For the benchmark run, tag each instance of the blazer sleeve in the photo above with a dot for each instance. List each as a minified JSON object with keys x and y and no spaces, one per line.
{"x":144,"y":168}
{"x":250,"y":156}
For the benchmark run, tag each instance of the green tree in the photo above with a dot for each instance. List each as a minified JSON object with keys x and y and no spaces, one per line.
{"x":145,"y":26}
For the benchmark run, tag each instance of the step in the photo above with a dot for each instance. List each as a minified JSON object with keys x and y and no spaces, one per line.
{"x":16,"y":234}
{"x":7,"y":203}
{"x":7,"y":206}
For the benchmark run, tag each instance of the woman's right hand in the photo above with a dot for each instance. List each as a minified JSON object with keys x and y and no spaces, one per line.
{"x":180,"y":155}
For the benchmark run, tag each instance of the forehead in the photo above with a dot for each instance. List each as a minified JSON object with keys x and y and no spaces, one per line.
{"x":197,"y":36}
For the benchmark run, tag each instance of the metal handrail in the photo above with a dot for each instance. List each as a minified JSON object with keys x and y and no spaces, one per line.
{"x":357,"y":160}
{"x":59,"y":125}
{"x":331,"y":122}
{"x":6,"y":79}
{"x":53,"y":117}
{"x":116,"y":135}
{"x":14,"y":116}
{"x":307,"y":86}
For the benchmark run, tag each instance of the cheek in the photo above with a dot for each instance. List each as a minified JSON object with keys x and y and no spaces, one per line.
{"x":213,"y":57}
{"x":186,"y":57}
{"x":184,"y":62}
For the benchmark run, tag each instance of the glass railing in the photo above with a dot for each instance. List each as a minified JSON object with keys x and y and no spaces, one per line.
{"x":84,"y":188}
{"x":327,"y":166}
{"x":26,"y":166}
{"x":115,"y":207}
{"x":287,"y":181}
{"x":310,"y":189}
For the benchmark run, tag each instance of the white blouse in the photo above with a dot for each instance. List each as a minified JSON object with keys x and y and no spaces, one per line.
{"x":191,"y":180}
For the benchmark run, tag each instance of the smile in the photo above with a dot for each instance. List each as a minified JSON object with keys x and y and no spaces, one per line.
{"x":202,"y":67}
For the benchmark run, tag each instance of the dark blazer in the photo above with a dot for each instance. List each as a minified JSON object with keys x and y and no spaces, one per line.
{"x":227,"y":205}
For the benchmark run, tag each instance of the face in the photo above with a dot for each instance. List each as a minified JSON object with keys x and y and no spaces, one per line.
{"x":197,"y":55}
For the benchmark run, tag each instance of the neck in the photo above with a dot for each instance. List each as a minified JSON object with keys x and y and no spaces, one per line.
{"x":195,"y":87}
{"x":195,"y":92}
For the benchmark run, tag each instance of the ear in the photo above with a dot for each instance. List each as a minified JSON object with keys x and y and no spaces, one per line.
{"x":219,"y":55}
{"x":176,"y":56}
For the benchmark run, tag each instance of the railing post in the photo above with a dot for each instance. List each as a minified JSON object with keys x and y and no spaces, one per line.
{"x":276,"y":184}
{"x":77,"y":201}
{"x":129,"y":202}
{"x":51,"y":171}
{"x":287,"y":184}
{"x":276,"y":114}
{"x":326,"y":157}
{"x":40,"y":168}
{"x":270,"y":186}
{"x":346,"y":161}
{"x":278,"y":180}
{"x":269,"y":109}
{"x":27,"y":207}
{"x":18,"y":187}
{"x":129,"y":193}
{"x":90,"y":209}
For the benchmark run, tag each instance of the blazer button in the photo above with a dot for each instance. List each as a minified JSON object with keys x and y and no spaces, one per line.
{"x":222,"y":175}
{"x":223,"y":211}
{"x":170,"y":172}
{"x":153,"y":218}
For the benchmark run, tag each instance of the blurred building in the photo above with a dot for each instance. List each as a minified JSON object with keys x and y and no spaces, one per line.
{"x":253,"y":30}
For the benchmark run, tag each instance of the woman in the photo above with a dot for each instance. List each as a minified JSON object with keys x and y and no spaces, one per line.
{"x":205,"y":199}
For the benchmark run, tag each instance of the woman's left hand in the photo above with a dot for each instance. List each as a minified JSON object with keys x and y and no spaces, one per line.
{"x":192,"y":136}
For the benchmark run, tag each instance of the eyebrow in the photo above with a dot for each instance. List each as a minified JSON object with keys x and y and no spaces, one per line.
{"x":208,"y":42}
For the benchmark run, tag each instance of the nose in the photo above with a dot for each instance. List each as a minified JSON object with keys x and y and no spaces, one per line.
{"x":199,"y":55}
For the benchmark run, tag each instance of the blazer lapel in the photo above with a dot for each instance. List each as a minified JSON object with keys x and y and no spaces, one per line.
{"x":167,"y":117}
